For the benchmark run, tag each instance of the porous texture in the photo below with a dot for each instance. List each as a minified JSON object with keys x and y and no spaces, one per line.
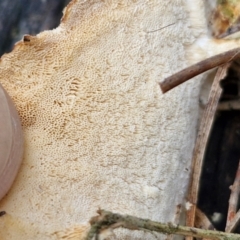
{"x":98,"y":131}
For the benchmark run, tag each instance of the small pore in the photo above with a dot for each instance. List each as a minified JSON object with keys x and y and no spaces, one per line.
{"x":27,"y":113}
{"x":2,"y":213}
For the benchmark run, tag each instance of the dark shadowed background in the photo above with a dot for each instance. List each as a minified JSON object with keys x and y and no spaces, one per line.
{"x":19,"y":17}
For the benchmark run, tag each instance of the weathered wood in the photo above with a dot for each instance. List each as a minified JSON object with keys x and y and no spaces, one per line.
{"x":201,"y":142}
{"x":107,"y":221}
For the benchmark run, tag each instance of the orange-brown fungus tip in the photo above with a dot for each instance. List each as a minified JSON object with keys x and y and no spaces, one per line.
{"x":11,"y":142}
{"x":2,"y":213}
{"x":26,"y":38}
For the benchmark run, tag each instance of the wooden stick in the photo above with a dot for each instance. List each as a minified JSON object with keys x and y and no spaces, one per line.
{"x":201,"y":142}
{"x":233,"y":200}
{"x":108,"y":221}
{"x":231,"y":227}
{"x":202,"y":221}
{"x":196,"y":69}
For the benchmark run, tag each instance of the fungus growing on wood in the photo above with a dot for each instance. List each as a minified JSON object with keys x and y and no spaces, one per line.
{"x":98,"y":132}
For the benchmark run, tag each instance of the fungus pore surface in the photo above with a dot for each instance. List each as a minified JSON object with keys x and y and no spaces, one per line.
{"x":98,"y":131}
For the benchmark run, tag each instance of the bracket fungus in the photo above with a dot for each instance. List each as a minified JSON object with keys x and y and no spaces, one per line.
{"x":98,"y":132}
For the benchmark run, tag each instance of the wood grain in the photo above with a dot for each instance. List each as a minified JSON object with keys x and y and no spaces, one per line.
{"x":201,"y":142}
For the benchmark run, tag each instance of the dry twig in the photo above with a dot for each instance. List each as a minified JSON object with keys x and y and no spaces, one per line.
{"x":207,"y":118}
{"x":202,"y":221}
{"x":108,"y":220}
{"x":196,"y":69}
{"x":234,"y":222}
{"x":233,"y":201}
{"x":201,"y":142}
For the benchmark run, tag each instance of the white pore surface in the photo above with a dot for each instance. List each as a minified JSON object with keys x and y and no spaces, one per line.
{"x":98,"y":130}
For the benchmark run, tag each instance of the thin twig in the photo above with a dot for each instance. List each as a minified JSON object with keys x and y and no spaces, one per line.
{"x":108,"y":220}
{"x":202,"y":221}
{"x":201,"y":142}
{"x":231,"y":227}
{"x":196,"y":69}
{"x":233,"y":200}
